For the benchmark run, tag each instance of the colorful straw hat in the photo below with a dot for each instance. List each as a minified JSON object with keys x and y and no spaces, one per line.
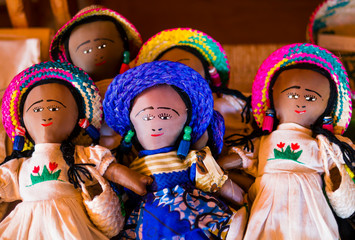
{"x":125,"y":87}
{"x":333,"y":17}
{"x":209,"y":48}
{"x":303,"y":53}
{"x":57,"y":51}
{"x":43,"y":71}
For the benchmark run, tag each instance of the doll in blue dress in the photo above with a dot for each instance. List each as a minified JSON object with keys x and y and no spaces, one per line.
{"x":162,"y":108}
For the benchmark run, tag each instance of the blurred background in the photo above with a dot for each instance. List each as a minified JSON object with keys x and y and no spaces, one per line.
{"x":228,"y":21}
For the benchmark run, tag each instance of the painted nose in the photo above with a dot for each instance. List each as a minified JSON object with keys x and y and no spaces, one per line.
{"x":300,"y":106}
{"x":47,"y":119}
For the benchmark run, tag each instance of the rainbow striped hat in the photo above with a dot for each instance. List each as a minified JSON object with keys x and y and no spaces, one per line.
{"x":335,"y":17}
{"x":127,"y":86}
{"x":303,"y":53}
{"x":43,"y":71}
{"x":209,"y":48}
{"x":57,"y":50}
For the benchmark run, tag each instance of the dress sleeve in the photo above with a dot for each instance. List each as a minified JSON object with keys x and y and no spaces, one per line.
{"x":98,"y":155}
{"x":249,"y":158}
{"x":343,"y":198}
{"x":205,"y":171}
{"x":9,"y":186}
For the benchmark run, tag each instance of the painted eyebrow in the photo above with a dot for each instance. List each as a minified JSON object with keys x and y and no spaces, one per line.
{"x":143,"y":110}
{"x":52,"y":100}
{"x":97,"y":39}
{"x":313,"y":91}
{"x":82,"y":45}
{"x":297,"y":87}
{"x":183,"y":59}
{"x":172,"y":109}
{"x":33,"y":104}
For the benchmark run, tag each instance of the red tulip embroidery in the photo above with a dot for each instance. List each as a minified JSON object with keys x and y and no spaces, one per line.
{"x":46,"y":175}
{"x":35,"y":169}
{"x":289,"y":153}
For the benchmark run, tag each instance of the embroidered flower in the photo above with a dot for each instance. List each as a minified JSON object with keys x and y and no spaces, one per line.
{"x":52,"y":166}
{"x":35,"y":169}
{"x":281,"y":145}
{"x":295,"y":146}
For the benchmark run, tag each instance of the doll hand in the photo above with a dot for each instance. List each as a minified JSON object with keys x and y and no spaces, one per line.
{"x":230,"y":161}
{"x":128,"y":178}
{"x":232,"y":193}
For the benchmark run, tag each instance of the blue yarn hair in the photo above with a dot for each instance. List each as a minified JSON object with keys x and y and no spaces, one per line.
{"x":125,"y":87}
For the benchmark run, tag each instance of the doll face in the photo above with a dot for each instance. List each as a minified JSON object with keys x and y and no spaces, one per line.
{"x":97,"y":48}
{"x":158,"y":116}
{"x":184,"y":57}
{"x":50,"y":113}
{"x":300,"y":96}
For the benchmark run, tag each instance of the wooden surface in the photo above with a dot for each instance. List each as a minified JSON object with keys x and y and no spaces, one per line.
{"x":228,"y":21}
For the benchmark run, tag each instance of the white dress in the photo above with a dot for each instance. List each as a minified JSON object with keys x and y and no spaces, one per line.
{"x":289,"y":202}
{"x":51,"y":207}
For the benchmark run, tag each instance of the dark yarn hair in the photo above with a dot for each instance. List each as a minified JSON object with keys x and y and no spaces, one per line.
{"x":347,"y":150}
{"x":67,"y":148}
{"x":91,"y":19}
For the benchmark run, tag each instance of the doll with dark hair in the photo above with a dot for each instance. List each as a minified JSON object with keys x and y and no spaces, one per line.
{"x":102,"y":42}
{"x":51,"y":111}
{"x":206,"y":56}
{"x":162,"y":108}
{"x":301,"y":102}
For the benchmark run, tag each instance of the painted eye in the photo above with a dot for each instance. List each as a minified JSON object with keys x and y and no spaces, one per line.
{"x":53,"y":108}
{"x":38,"y":109}
{"x":148,"y":117}
{"x":101,"y":46}
{"x":164,"y":116}
{"x":293,"y":96}
{"x":310,"y":98}
{"x":87,"y":51}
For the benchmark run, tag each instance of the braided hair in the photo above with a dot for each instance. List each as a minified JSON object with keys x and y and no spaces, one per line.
{"x":67,"y":147}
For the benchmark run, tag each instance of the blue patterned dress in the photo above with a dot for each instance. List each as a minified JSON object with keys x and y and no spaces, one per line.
{"x":179,"y":206}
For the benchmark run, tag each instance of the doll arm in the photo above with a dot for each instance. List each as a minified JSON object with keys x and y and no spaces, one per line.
{"x":106,"y":164}
{"x":128,"y":178}
{"x":205,"y":172}
{"x":9,"y":187}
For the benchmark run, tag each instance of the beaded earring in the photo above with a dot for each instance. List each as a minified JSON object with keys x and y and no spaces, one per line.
{"x":19,"y":140}
{"x":90,"y":129}
{"x":184,"y":145}
{"x":328,"y":123}
{"x":268,"y":122}
{"x":125,"y":66}
{"x":215,"y":78}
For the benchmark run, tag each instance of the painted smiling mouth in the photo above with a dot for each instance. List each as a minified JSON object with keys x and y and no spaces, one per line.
{"x":46,"y":124}
{"x":157,"y":135}
{"x":100,"y":63}
{"x":300,"y":112}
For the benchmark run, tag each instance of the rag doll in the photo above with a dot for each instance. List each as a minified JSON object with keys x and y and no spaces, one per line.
{"x":162,"y":108}
{"x":205,"y":55}
{"x":102,"y":42}
{"x":304,"y":168}
{"x":45,"y":111}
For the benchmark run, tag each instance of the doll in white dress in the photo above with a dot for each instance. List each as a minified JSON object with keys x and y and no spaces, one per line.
{"x":302,"y":104}
{"x":46,"y":109}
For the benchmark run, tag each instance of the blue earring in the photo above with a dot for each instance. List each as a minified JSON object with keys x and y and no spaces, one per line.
{"x":90,"y":129}
{"x":184,"y":145}
{"x":19,"y":140}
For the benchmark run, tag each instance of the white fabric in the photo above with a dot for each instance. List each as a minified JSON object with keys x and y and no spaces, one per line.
{"x":51,"y":209}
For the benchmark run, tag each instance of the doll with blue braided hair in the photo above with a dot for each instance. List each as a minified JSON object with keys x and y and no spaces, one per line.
{"x":304,"y":167}
{"x":45,"y":111}
{"x":162,"y":108}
